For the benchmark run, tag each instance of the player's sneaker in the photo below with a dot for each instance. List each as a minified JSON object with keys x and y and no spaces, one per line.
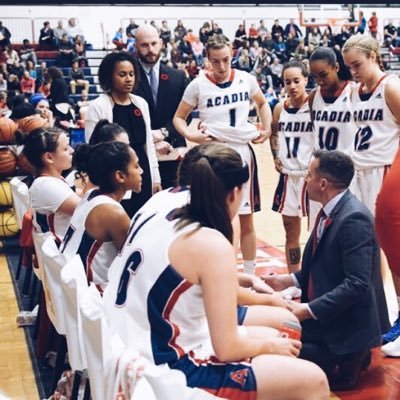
{"x":392,"y":349}
{"x":393,"y":333}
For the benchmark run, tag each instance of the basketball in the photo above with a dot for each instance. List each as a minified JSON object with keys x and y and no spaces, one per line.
{"x":5,"y":194}
{"x":24,"y":166}
{"x":32,"y":122}
{"x":8,"y":161}
{"x":8,"y":224}
{"x":7,"y":130}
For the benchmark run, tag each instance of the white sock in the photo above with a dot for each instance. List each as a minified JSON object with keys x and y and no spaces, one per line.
{"x":249,"y":267}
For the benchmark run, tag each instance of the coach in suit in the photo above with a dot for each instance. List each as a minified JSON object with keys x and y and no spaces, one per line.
{"x":340,"y":278}
{"x":162,"y":87}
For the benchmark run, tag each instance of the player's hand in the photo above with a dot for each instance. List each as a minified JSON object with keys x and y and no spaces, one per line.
{"x":198,"y":137}
{"x":277,"y":281}
{"x":163,"y":147}
{"x":260,"y":286}
{"x":276,"y":300}
{"x":264,"y":134}
{"x":156,"y":187}
{"x":278,"y":164}
{"x":284,"y":346}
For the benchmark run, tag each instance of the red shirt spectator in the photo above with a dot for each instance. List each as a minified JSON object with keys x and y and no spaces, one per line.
{"x":27,"y":83}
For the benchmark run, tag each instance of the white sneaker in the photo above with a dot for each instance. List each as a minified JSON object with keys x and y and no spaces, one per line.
{"x":292,"y":292}
{"x":392,"y":349}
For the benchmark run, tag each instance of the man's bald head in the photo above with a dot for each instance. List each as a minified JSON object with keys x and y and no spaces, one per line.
{"x":148,"y":44}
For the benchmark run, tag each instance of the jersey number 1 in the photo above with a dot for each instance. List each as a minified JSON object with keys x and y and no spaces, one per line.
{"x":232,"y":117}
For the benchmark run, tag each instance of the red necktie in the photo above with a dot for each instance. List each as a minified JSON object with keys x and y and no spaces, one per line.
{"x":310,"y":289}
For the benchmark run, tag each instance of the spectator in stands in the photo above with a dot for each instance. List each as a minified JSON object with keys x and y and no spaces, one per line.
{"x":198,"y":51}
{"x":4,"y":36}
{"x":325,"y":41}
{"x":205,"y":32}
{"x":59,"y":96}
{"x":165,"y":32}
{"x":79,"y":47}
{"x":253,"y":34}
{"x":190,"y":36}
{"x":342,"y":36}
{"x":269,"y":45}
{"x":363,"y":23}
{"x":30,"y":67}
{"x":118,"y":39}
{"x":176,"y":57}
{"x":192,"y":69}
{"x":154,"y":25}
{"x":255,"y":52}
{"x":27,"y":52}
{"x":74,"y":29}
{"x":46,"y":38}
{"x":271,"y":97}
{"x":4,"y":110}
{"x":262,"y":29}
{"x":83,"y":105}
{"x":240,"y":35}
{"x":280,"y":49}
{"x":11,"y":56}
{"x":373,"y":25}
{"x":17,"y":69}
{"x":257,"y":72}
{"x":185,"y":49}
{"x":42,"y":106}
{"x":66,"y":53}
{"x":3,"y":83}
{"x":293,"y":28}
{"x":291,"y":45}
{"x":314,"y":36}
{"x":180,"y":31}
{"x":277,"y":31}
{"x":389,"y":33}
{"x":309,"y":30}
{"x":27,"y":84}
{"x":77,"y":77}
{"x":130,"y":30}
{"x":13,"y":84}
{"x":300,"y":51}
{"x":244,"y":61}
{"x":215,"y":29}
{"x":276,"y":69}
{"x":165,"y":57}
{"x":40,"y":71}
{"x":59,"y":31}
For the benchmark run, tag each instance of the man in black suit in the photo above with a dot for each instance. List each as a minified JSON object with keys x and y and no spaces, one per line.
{"x":340,"y":279}
{"x":162,"y":87}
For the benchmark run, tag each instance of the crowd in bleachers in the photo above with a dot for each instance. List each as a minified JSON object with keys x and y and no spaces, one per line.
{"x":261,"y":50}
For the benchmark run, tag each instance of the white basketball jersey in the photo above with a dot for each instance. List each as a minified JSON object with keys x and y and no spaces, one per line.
{"x":377,"y":137}
{"x":96,"y":255}
{"x":296,"y":138}
{"x":147,"y":302}
{"x":224,"y":108}
{"x":167,"y":199}
{"x":334,"y":125}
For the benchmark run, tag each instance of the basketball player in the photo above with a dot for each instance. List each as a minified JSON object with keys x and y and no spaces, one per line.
{"x":223,"y":99}
{"x":376,"y":107}
{"x":177,"y":305}
{"x":99,"y":225}
{"x":292,"y":143}
{"x":52,"y":200}
{"x":330,"y":107}
{"x":268,"y":310}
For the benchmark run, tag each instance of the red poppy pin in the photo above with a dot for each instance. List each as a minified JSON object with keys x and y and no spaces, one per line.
{"x":328,"y":221}
{"x":137,"y":112}
{"x":164,"y":77}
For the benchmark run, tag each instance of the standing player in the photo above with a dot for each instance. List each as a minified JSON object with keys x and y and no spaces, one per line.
{"x":292,"y":143}
{"x":376,"y":105}
{"x":330,"y":107}
{"x":223,"y":99}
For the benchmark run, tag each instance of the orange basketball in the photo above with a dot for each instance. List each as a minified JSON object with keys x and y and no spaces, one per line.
{"x":24,"y":166}
{"x":7,"y":130}
{"x":8,"y":161}
{"x":32,"y":122}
